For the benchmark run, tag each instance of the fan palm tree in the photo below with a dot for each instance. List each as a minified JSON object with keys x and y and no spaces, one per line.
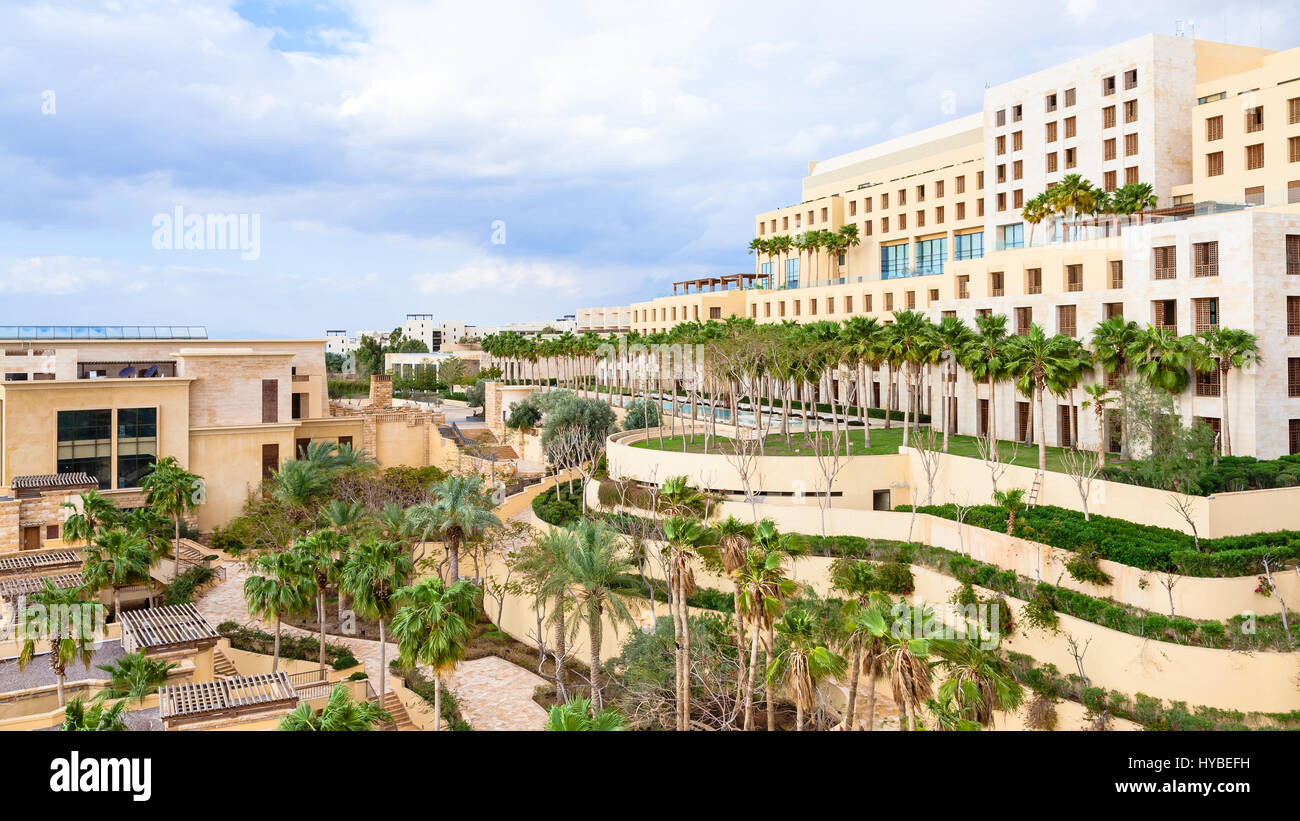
{"x":1099,"y":397}
{"x":911,"y":343}
{"x":67,"y":621}
{"x":910,"y":675}
{"x":1037,"y":359}
{"x":172,"y":491}
{"x":579,"y":715}
{"x":951,"y":336}
{"x":1134,"y":198}
{"x":979,"y":682}
{"x":857,"y":579}
{"x":90,"y":513}
{"x":1073,"y":196}
{"x":372,"y":573}
{"x":134,"y":676}
{"x":298,"y":485}
{"x":1225,"y":349}
{"x":278,"y":587}
{"x":804,"y":662}
{"x":461,"y":510}
{"x":319,"y":556}
{"x":1035,"y":211}
{"x":592,"y":568}
{"x":849,"y":239}
{"x":682,"y":538}
{"x":985,"y":359}
{"x":116,"y":559}
{"x":1161,"y":357}
{"x":341,"y":713}
{"x":1013,"y":502}
{"x":98,"y":717}
{"x":433,"y":626}
{"x":543,"y":563}
{"x":762,"y":589}
{"x":1112,"y":339}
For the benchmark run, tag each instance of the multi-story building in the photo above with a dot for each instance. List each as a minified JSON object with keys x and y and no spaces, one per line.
{"x":1215,"y":130}
{"x":610,"y":320}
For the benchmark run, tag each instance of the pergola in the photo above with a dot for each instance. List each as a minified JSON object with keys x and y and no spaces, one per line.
{"x":719,"y":283}
{"x":231,"y":697}
{"x":12,"y":589}
{"x":31,"y":563}
{"x":166,"y":628}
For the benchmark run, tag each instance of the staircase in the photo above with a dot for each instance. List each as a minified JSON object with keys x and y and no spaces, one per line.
{"x":221,"y":665}
{"x":1034,"y":489}
{"x":393,"y":705}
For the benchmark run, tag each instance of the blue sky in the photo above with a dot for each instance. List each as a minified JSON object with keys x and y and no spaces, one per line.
{"x":384,"y":146}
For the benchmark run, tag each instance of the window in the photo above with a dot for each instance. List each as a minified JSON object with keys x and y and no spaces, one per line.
{"x":1293,"y":426}
{"x":995,"y":283}
{"x":1017,"y":141}
{"x":1205,"y":313}
{"x":1000,"y":144}
{"x":909,"y":299}
{"x":1130,"y":79}
{"x":934,"y":295}
{"x":1024,"y":318}
{"x":812,"y":306}
{"x":798,"y":307}
{"x":853,"y":208}
{"x":1293,"y":254}
{"x":1066,"y":323}
{"x":1034,"y":281}
{"x":1117,"y":273}
{"x":1165,"y":261}
{"x":1107,"y":86}
{"x":884,"y":200}
{"x":920,"y":193}
{"x":884,"y":225}
{"x":1018,"y":170}
{"x":1111,"y":310}
{"x":920,"y":219}
{"x":893,"y":260}
{"x":1074,"y":277}
{"x":866,"y":228}
{"x":1207,"y":382}
{"x":1108,"y":180}
{"x":1293,"y":316}
{"x":1254,"y":195}
{"x":938,"y":188}
{"x":1293,"y":111}
{"x":1108,"y":149}
{"x":1130,"y":144}
{"x":137,"y":444}
{"x":85,"y":444}
{"x":1254,"y":156}
{"x":1205,"y":256}
{"x":1164,"y":314}
{"x":1001,"y":117}
{"x":889,"y":302}
{"x":979,"y":207}
{"x":1049,"y":104}
{"x":1018,"y":198}
{"x":902,"y":222}
{"x":848,"y":304}
{"x":1130,"y":111}
{"x":1051,"y":162}
{"x":968,"y":246}
{"x":1293,"y":149}
{"x":963,"y":292}
{"x":961,"y":184}
{"x":902,"y":196}
{"x":1070,"y":127}
{"x":1293,"y":376}
{"x":931,"y":255}
{"x":1108,"y":117}
{"x":270,"y":460}
{"x":1017,"y":111}
{"x":938,"y":214}
{"x":979,"y":180}
{"x":1071,"y":157}
{"x":1002,"y":172}
{"x":1214,"y":164}
{"x":1131,"y":175}
{"x":866,"y":302}
{"x":1254,"y":119}
{"x":792,"y":273}
{"x":715,"y":313}
{"x":1013,"y":236}
{"x":1214,"y":128}
{"x":270,"y":401}
{"x":1002,"y":201}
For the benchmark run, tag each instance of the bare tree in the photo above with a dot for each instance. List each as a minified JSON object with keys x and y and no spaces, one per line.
{"x":1168,"y":581}
{"x":927,"y":445}
{"x":962,"y":510}
{"x":1083,"y":467}
{"x":1077,"y":652}
{"x":830,"y":460}
{"x":1182,"y":505}
{"x":1272,"y":563}
{"x":990,"y":453}
{"x":502,"y":545}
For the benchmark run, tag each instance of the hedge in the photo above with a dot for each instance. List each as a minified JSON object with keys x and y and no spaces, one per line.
{"x":292,"y":646}
{"x":1145,"y":547}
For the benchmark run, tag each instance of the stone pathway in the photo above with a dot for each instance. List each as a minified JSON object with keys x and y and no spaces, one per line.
{"x":498,"y":695}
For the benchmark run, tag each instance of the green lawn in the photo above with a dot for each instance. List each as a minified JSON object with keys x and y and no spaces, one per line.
{"x":882,"y":442}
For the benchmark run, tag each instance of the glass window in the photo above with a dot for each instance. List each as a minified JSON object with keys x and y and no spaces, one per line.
{"x":893,"y":261}
{"x":85,"y":444}
{"x":137,"y":444}
{"x":792,"y":273}
{"x":1013,"y":236}
{"x":931,"y":254}
{"x":968,"y":246}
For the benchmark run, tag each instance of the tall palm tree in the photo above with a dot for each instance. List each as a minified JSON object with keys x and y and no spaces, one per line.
{"x":1162,"y":358}
{"x":951,"y":336}
{"x":373,"y":572}
{"x":910,"y":674}
{"x":116,"y":559}
{"x":985,"y":359}
{"x":682,"y":538}
{"x":857,"y":579}
{"x":1037,"y":359}
{"x":1073,"y":196}
{"x":172,"y":491}
{"x":461,"y":510}
{"x":804,"y":662}
{"x":66,"y":620}
{"x":543,"y":563}
{"x":1099,"y":397}
{"x":433,"y":626}
{"x":580,"y":716}
{"x":1112,"y":339}
{"x":864,"y":338}
{"x":91,"y":512}
{"x":762,"y":589}
{"x":979,"y":682}
{"x":1225,"y":349}
{"x":278,"y":587}
{"x":1036,"y":210}
{"x":592,"y":568}
{"x":341,"y":713}
{"x":849,"y":239}
{"x":320,"y":559}
{"x":911,"y":343}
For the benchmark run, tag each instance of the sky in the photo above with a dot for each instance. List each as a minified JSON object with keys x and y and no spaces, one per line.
{"x":484,"y":162}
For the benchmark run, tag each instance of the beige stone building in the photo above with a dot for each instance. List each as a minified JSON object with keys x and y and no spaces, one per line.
{"x":1214,"y":128}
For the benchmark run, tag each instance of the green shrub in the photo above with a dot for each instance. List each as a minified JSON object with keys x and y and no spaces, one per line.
{"x":561,"y":509}
{"x":184,"y":586}
{"x":895,"y":577}
{"x":1085,"y":567}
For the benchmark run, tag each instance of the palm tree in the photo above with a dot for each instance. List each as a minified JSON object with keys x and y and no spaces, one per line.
{"x":951,"y":336}
{"x":1035,"y":211}
{"x":804,"y":662}
{"x":761,"y":591}
{"x":460,"y":511}
{"x":910,"y":675}
{"x":1112,"y":339}
{"x":279,"y":587}
{"x":298,"y":485}
{"x":1013,"y":502}
{"x":543,"y":563}
{"x":66,"y":621}
{"x":341,"y":713}
{"x":849,"y":239}
{"x":172,"y":491}
{"x":857,"y":578}
{"x":434,"y":625}
{"x":592,"y":568}
{"x":1134,"y":198}
{"x":1037,"y":359}
{"x":979,"y":682}
{"x":1225,"y":349}
{"x":1161,"y":357}
{"x":116,"y":559}
{"x":1099,"y":396}
{"x":134,"y":676}
{"x":579,"y":715}
{"x":92,"y":512}
{"x":98,"y":717}
{"x":985,"y":359}
{"x":863,"y":338}
{"x":1073,"y":196}
{"x":911,"y":342}
{"x":319,"y":556}
{"x":373,"y":572}
{"x":682,"y":538}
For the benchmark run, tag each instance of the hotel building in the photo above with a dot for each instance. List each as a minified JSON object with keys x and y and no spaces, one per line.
{"x":1214,"y":128}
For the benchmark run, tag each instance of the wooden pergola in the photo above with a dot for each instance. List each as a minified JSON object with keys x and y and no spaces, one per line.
{"x":173,"y":627}
{"x":225,"y":698}
{"x":12,"y":589}
{"x":34,"y":562}
{"x":719,"y":283}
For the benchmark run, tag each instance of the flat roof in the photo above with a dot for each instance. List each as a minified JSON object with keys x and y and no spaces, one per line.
{"x":103,"y":332}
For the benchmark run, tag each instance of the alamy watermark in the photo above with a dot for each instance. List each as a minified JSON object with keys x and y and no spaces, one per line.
{"x":179,"y":231}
